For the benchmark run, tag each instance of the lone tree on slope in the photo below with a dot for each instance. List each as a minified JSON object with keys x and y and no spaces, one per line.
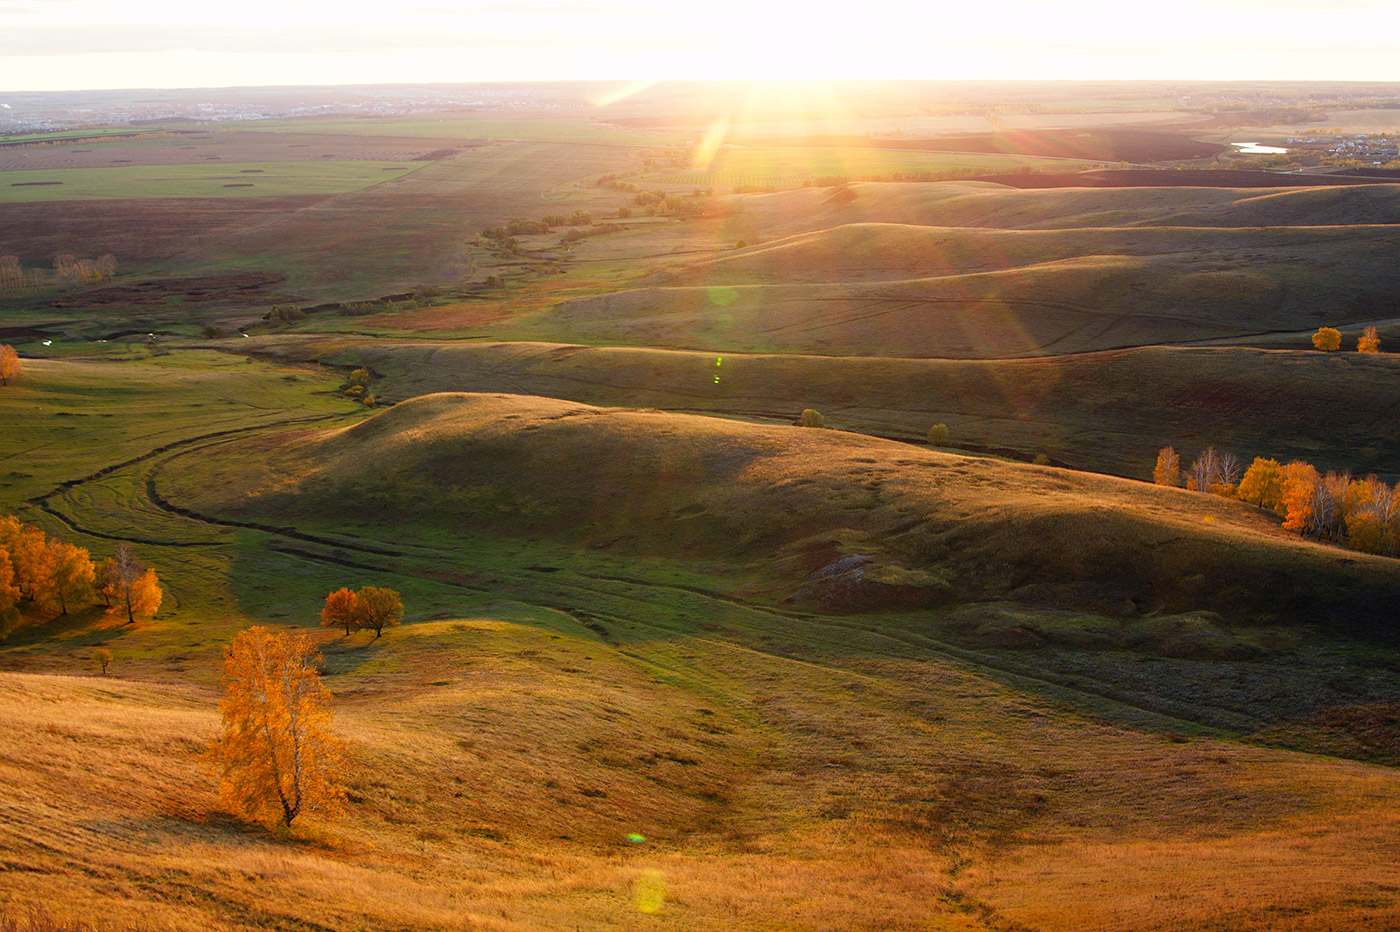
{"x":276,"y":755}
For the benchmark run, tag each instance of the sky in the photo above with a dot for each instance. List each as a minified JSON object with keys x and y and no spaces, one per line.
{"x":91,"y":44}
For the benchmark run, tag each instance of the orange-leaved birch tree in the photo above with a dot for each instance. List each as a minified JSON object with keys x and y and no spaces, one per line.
{"x":9,"y":594}
{"x":1370,"y":341}
{"x":276,"y":755}
{"x":1262,"y":483}
{"x":1168,"y":468}
{"x":130,"y":584}
{"x":29,"y":555}
{"x":1297,"y":484}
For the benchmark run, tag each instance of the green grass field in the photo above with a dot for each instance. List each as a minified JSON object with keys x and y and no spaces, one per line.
{"x":253,"y":179}
{"x":451,"y":126}
{"x":790,"y":167}
{"x":64,"y":135}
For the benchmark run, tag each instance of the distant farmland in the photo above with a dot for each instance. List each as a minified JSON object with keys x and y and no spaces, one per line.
{"x":783,"y":167}
{"x":265,"y":179}
{"x":451,"y":126}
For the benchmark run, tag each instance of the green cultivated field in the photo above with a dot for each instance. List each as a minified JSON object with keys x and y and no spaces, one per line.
{"x":470,"y":127}
{"x":266,"y":179}
{"x":72,"y":134}
{"x":789,"y":167}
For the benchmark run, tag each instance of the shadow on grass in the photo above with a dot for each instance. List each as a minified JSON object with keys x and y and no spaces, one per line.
{"x":90,"y":627}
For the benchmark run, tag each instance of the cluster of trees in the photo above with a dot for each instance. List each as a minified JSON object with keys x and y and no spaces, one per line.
{"x":521,"y":226}
{"x":1362,"y":513}
{"x":284,"y":314}
{"x":371,"y":609}
{"x":15,"y":278}
{"x":1328,"y":339}
{"x":9,"y":364}
{"x":615,"y":183}
{"x":659,"y":202}
{"x":91,"y":271}
{"x":49,"y":573}
{"x":576,"y":234}
{"x":358,"y":309}
{"x":357,"y":386}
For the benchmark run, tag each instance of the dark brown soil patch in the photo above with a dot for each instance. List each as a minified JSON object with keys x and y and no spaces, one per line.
{"x":241,"y":287}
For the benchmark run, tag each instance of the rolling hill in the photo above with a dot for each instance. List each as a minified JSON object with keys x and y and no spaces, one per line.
{"x":815,"y":517}
{"x":1105,"y":412}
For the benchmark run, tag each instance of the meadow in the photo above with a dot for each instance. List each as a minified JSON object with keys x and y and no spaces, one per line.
{"x":668,"y":660}
{"x":568,"y":129}
{"x":792,"y":167}
{"x":239,"y":179}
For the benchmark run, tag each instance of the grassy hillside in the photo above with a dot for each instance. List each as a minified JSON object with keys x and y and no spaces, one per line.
{"x":600,"y":712}
{"x":497,"y":773}
{"x":894,"y":289}
{"x":1104,"y":412}
{"x":980,"y":204}
{"x":817,"y":517}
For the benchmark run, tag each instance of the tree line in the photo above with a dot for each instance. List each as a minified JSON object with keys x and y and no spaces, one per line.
{"x":523,"y":226}
{"x":1363,"y":514}
{"x":15,"y":278}
{"x":44,"y":573}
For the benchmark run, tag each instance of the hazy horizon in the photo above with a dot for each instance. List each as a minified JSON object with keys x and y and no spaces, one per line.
{"x":63,"y":45}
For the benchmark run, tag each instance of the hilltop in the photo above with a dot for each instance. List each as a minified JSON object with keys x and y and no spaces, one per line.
{"x":841,"y":520}
{"x":1105,"y":412}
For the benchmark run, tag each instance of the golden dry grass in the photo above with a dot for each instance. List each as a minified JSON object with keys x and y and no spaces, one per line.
{"x":497,"y":771}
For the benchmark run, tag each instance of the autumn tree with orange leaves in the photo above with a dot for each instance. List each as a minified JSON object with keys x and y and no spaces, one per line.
{"x":378,"y":609}
{"x":29,"y":555}
{"x":9,"y":595}
{"x":276,"y":756}
{"x":1370,"y":341}
{"x":340,"y":610}
{"x":71,"y":575}
{"x":9,"y":364}
{"x":1295,"y":501}
{"x":130,"y":584}
{"x":1168,"y":468}
{"x":1262,"y":483}
{"x":1327,"y":339}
